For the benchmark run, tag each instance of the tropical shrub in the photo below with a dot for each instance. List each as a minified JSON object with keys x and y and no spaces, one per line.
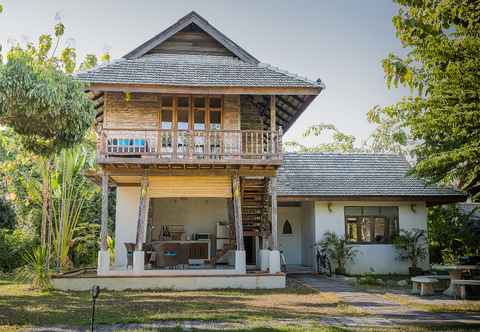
{"x":35,"y":270}
{"x":7,"y":215}
{"x":337,"y":250}
{"x":13,"y":245}
{"x":411,"y":246}
{"x":452,"y":233}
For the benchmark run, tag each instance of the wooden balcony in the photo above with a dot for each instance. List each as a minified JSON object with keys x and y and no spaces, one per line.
{"x":182,"y":147}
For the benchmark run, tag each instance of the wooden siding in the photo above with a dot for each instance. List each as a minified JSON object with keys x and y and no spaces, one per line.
{"x":191,"y":42}
{"x":190,"y":186}
{"x":141,"y":111}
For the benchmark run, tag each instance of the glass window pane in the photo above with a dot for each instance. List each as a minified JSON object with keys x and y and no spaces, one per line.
{"x":371,"y":211}
{"x":167,"y":102}
{"x":365,"y":229}
{"x":182,"y":119}
{"x":199,"y":120}
{"x":353,"y":211}
{"x":379,"y":230}
{"x":352,"y":229}
{"x":215,"y":120}
{"x":199,"y":102}
{"x":167,"y":116}
{"x":183,"y":102}
{"x":215,"y":102}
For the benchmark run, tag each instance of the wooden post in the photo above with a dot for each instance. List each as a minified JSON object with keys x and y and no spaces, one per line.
{"x":141,"y":214}
{"x":104,"y":217}
{"x":273,"y":193}
{"x":273,"y":113}
{"x":237,"y":211}
{"x":273,"y":122}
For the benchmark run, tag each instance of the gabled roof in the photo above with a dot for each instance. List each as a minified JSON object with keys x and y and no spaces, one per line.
{"x":356,"y":176}
{"x":194,"y":70}
{"x":199,"y":21}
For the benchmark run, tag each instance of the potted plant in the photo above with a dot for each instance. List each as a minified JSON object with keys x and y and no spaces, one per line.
{"x":337,"y":250}
{"x":411,"y":246}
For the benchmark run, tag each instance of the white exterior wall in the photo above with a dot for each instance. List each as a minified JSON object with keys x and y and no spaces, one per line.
{"x":372,"y":258}
{"x":291,"y":244}
{"x":298,"y":246}
{"x":128,"y":200}
{"x":308,"y":234}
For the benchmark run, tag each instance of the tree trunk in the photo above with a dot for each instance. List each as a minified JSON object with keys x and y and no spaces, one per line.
{"x":46,"y":199}
{"x":61,"y":222}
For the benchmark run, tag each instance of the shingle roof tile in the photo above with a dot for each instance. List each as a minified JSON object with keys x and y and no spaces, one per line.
{"x":193,"y":70}
{"x":333,"y":174}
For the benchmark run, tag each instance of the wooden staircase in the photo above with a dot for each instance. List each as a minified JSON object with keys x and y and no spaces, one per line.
{"x":255,"y":203}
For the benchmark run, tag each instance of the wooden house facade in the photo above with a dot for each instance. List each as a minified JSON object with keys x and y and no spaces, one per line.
{"x":189,"y":130}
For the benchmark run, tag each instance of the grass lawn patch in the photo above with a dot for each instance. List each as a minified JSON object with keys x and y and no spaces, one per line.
{"x":22,"y":306}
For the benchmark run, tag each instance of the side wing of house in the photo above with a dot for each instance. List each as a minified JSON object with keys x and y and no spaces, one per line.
{"x":365,"y":198}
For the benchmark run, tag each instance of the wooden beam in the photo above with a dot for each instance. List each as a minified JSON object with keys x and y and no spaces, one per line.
{"x":273,"y":193}
{"x":273,"y":113}
{"x":104,"y":217}
{"x":237,"y":211}
{"x":142,"y":214}
{"x":176,"y":89}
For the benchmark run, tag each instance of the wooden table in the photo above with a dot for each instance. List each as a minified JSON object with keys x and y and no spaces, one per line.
{"x":455,"y":273}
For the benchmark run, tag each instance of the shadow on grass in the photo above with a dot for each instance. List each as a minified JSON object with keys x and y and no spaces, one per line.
{"x":28,"y":307}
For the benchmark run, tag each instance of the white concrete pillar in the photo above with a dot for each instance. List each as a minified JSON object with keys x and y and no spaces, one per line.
{"x":264,"y":259}
{"x":274,"y":261}
{"x":138,"y":261}
{"x":240,"y":261}
{"x":103,"y":263}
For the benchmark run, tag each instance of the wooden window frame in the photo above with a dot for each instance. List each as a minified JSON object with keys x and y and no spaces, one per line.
{"x":387,"y":220}
{"x":191,"y":109}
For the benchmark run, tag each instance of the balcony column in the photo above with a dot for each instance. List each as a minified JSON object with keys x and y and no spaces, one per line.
{"x":275,"y":253}
{"x":273,"y":121}
{"x":103,"y":264}
{"x":138,"y":254}
{"x":240,"y":257}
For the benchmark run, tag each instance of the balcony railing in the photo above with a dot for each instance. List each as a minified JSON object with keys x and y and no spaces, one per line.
{"x":222,"y":146}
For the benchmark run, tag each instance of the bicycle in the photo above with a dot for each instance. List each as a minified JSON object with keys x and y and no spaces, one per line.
{"x":323,"y":262}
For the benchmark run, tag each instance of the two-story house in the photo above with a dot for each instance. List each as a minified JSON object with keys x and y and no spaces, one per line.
{"x":189,"y":131}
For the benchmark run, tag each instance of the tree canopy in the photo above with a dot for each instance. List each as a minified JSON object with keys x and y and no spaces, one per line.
{"x":442,"y":69}
{"x":40,"y":100}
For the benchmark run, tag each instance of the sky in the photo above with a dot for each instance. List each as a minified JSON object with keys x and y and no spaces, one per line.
{"x":341,"y":42}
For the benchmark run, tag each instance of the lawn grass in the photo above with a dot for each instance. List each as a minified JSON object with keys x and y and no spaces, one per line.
{"x":294,"y":309}
{"x":22,"y":306}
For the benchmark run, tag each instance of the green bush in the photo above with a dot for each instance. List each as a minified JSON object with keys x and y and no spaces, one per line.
{"x":452,"y":234}
{"x":13,"y":246}
{"x":7,"y":215}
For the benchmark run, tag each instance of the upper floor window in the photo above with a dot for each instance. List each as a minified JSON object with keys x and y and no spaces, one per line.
{"x":371,"y":224}
{"x":191,"y":112}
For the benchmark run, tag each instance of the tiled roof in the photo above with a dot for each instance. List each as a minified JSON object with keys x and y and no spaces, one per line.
{"x":194,"y":70}
{"x":333,"y":174}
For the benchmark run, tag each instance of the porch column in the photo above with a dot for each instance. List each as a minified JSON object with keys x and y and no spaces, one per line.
{"x":273,"y":121}
{"x":240,"y":258}
{"x":138,"y":254}
{"x":103,"y":255}
{"x":275,"y":254}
